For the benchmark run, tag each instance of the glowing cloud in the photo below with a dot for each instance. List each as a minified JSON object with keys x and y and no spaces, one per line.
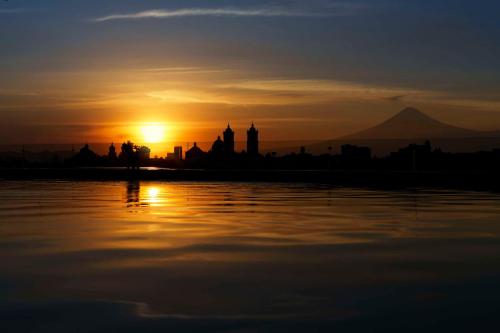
{"x":340,"y":9}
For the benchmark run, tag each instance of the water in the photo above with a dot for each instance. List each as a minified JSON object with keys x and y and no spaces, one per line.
{"x":153,"y":256}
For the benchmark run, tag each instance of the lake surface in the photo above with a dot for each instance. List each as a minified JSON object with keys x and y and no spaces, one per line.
{"x":242,"y":257}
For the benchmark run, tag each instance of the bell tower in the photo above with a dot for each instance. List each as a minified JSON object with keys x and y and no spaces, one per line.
{"x":228,"y":140}
{"x":253,"y":140}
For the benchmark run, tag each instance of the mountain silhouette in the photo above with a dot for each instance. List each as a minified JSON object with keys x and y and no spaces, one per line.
{"x":411,"y":123}
{"x":408,"y":126}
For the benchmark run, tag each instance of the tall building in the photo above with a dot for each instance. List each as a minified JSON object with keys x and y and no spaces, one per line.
{"x":176,"y":155}
{"x":228,"y":140}
{"x":253,"y":141}
{"x":178,"y":152}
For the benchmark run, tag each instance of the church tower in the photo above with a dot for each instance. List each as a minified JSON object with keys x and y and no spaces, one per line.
{"x":228,"y":140}
{"x":253,"y":141}
{"x":112,"y":152}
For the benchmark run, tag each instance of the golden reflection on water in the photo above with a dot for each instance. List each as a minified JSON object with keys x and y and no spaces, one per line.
{"x":143,"y":196}
{"x":229,"y":247}
{"x":153,"y":193}
{"x":155,"y":215}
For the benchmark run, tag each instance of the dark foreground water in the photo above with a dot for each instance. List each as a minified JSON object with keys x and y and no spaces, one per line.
{"x":202,"y":257}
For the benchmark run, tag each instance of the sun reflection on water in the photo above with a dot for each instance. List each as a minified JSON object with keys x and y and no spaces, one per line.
{"x":143,"y":195}
{"x":153,"y":195}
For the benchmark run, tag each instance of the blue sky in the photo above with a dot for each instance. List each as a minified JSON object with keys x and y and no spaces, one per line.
{"x":304,"y":69}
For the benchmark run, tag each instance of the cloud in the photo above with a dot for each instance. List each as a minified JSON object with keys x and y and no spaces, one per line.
{"x":183,"y":70}
{"x":337,"y":9}
{"x":17,"y":93}
{"x":396,"y":98}
{"x":277,"y":92}
{"x":316,"y":87}
{"x":186,"y":96}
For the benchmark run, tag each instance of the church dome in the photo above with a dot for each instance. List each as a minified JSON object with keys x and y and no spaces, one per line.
{"x":218,"y":145}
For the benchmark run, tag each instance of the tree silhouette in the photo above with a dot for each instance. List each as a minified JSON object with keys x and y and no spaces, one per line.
{"x":133,"y":155}
{"x":142,"y":152}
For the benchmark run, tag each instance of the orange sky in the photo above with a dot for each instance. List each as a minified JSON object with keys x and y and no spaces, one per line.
{"x":300,"y":72}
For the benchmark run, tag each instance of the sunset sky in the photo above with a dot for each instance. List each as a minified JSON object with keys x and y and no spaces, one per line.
{"x":99,"y":71}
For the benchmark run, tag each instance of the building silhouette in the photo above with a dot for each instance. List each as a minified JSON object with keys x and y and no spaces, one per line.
{"x":112,"y":152}
{"x":355,"y":157}
{"x":176,"y":155}
{"x":353,"y":152}
{"x":253,"y":141}
{"x":194,"y":153}
{"x":85,"y":157}
{"x":414,"y":156}
{"x":228,"y":140}
{"x":218,"y":146}
{"x":178,"y":152}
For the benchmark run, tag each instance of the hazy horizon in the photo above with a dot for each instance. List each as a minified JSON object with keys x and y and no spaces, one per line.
{"x":408,"y":126}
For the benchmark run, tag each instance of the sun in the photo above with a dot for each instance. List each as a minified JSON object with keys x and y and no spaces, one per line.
{"x":153,"y":133}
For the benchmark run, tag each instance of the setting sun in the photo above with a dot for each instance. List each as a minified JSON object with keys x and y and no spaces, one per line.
{"x":153,"y":133}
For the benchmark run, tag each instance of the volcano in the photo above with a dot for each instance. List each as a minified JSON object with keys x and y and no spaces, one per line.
{"x":411,"y":123}
{"x":410,"y":126}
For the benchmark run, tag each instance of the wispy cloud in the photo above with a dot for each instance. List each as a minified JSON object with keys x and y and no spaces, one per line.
{"x":17,"y":93}
{"x":280,"y":92}
{"x":395,"y":99}
{"x":338,"y":9}
{"x":183,"y":70}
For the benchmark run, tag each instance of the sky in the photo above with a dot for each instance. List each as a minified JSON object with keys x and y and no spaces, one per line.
{"x":100,"y":71}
